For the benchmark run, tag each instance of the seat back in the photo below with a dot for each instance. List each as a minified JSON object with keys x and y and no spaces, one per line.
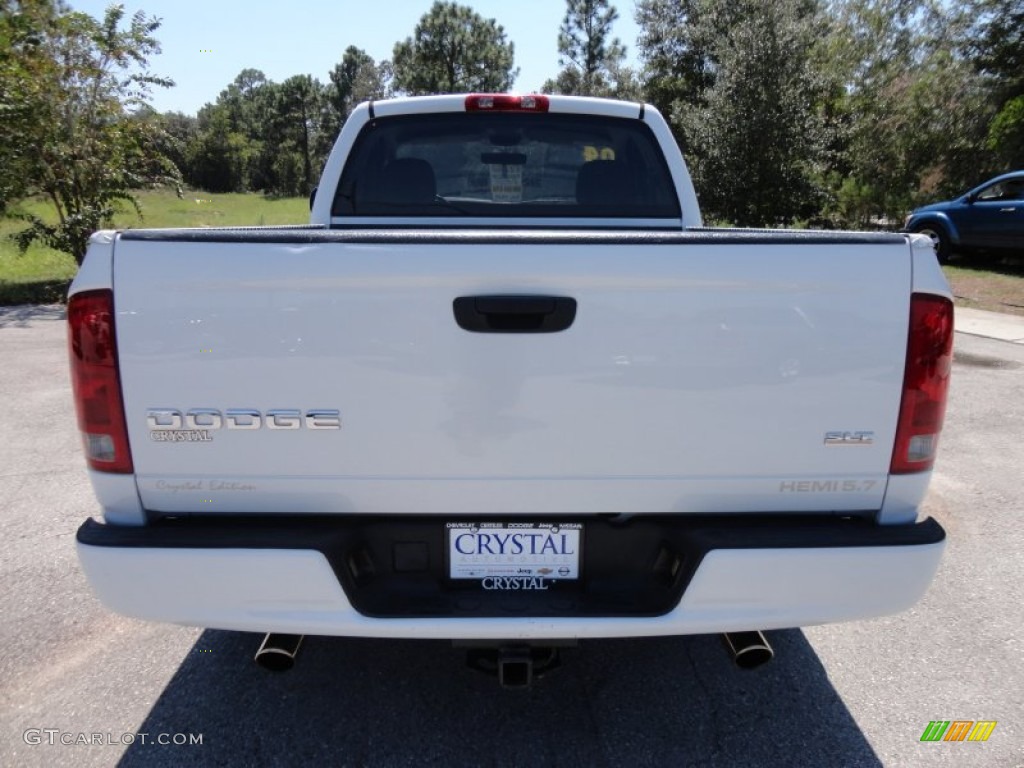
{"x":406,"y":181}
{"x":605,"y":183}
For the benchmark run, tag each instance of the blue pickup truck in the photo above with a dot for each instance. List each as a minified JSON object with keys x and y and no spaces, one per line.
{"x":988,"y":218}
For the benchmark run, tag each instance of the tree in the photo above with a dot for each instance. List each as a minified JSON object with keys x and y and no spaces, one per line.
{"x":998,"y":47}
{"x":754,"y":134}
{"x":219,"y":158}
{"x":178,"y":131}
{"x":678,"y":67}
{"x":1006,"y":133}
{"x":24,"y":111}
{"x":912,"y":112}
{"x":453,"y":49}
{"x":233,"y":150}
{"x":246,"y":100}
{"x":871,"y":55}
{"x":589,"y":58}
{"x":82,"y":84}
{"x":355,"y":79}
{"x":296,"y":127}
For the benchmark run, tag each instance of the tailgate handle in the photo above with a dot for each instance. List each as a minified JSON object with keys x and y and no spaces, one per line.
{"x":514,"y":314}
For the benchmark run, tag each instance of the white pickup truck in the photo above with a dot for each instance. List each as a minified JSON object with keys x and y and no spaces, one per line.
{"x":506,"y":389}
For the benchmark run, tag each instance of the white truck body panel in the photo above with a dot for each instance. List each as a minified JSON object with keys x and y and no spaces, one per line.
{"x":696,"y":378}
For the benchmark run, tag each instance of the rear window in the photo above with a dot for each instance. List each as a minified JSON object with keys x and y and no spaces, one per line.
{"x":506,"y":165}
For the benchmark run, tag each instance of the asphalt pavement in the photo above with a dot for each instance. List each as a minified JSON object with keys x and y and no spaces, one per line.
{"x":852,"y":694}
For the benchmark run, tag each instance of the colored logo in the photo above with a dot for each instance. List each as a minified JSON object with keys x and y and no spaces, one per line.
{"x":958,"y":730}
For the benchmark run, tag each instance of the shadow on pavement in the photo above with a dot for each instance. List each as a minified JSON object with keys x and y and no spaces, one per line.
{"x":656,"y":701}
{"x":24,"y":315}
{"x":1004,"y":263}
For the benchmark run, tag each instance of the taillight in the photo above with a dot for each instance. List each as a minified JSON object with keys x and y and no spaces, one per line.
{"x":925,"y":383}
{"x":96,"y":381}
{"x":503,"y":102}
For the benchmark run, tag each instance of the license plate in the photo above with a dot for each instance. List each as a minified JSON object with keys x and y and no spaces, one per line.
{"x":514,"y":550}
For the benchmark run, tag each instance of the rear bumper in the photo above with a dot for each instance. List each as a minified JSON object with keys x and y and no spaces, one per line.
{"x":341,"y":576}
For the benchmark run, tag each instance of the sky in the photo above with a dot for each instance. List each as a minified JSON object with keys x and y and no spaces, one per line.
{"x":205,"y":44}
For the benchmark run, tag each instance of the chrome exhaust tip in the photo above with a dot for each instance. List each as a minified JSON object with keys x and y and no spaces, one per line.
{"x":277,"y":652}
{"x":748,"y":649}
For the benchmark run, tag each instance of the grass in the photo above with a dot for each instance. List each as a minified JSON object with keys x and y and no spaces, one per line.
{"x":41,"y":275}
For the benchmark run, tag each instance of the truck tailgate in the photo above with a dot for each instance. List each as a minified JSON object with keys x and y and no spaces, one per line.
{"x":699,"y":375}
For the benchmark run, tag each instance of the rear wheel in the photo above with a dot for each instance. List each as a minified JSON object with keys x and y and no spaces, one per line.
{"x":939,"y":238}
